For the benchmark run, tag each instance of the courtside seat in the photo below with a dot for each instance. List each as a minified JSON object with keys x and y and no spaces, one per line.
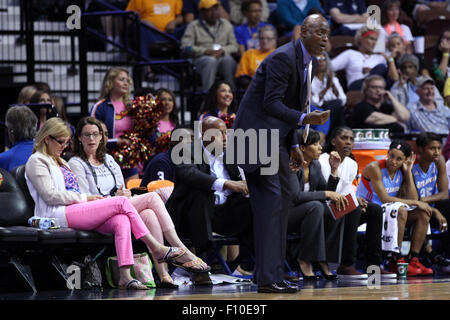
{"x":18,"y":234}
{"x":49,"y":236}
{"x":93,"y":237}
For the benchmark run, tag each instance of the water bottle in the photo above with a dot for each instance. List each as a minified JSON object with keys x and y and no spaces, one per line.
{"x":43,"y":223}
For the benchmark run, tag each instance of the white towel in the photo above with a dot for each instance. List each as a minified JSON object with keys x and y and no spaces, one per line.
{"x":389,"y":234}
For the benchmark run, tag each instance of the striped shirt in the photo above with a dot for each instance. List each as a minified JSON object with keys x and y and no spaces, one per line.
{"x":421,"y":119}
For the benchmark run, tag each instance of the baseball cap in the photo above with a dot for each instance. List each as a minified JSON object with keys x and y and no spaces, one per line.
{"x":424,"y":79}
{"x":206,"y":4}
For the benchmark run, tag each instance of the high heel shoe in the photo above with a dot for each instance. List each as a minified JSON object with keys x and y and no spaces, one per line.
{"x":307,"y":278}
{"x":329,"y":277}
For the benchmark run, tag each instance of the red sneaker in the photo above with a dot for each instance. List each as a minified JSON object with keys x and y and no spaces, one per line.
{"x":415,"y":263}
{"x":392,"y":266}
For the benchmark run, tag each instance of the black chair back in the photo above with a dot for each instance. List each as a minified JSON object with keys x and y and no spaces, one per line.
{"x":15,"y":210}
{"x":19,"y":174}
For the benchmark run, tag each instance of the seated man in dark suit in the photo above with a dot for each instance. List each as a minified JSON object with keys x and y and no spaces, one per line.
{"x":210,"y":196}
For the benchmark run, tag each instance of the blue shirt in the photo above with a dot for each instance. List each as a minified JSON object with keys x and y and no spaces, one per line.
{"x":365,"y":189}
{"x":160,"y":167}
{"x":289,"y":14}
{"x":248,"y":36}
{"x":346,"y":7}
{"x":426,"y":182}
{"x":17,"y":155}
{"x":421,"y":119}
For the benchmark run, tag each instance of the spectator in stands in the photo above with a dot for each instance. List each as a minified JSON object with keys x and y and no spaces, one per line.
{"x":327,"y":92}
{"x":344,"y":14}
{"x":237,"y":15}
{"x":220,"y":103}
{"x":251,"y":59}
{"x":55,"y":191}
{"x":247,"y":34}
{"x":379,"y":108}
{"x":21,"y":124}
{"x":337,"y":161}
{"x":98,"y":174}
{"x":42,"y":97}
{"x":440,"y":68}
{"x":210,"y":41}
{"x":361,"y":63}
{"x":431,"y":180}
{"x":25,"y":94}
{"x":191,"y":10}
{"x":394,"y":50}
{"x":210,"y":196}
{"x":169,"y":119}
{"x":390,"y":13}
{"x":380,"y":182}
{"x":292,"y":12}
{"x":309,"y":214}
{"x":404,"y":90}
{"x":161,"y":166}
{"x":428,"y":114}
{"x":112,"y":108}
{"x":42,"y":86}
{"x":164,"y":15}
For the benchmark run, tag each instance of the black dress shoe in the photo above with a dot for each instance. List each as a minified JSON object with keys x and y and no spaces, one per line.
{"x":288,"y":284}
{"x":280,"y":287}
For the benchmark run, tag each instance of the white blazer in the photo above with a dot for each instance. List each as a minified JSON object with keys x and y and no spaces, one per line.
{"x":46,"y":184}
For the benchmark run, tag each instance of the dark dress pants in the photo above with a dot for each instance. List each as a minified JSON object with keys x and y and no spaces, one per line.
{"x":270,"y":199}
{"x":307,"y":219}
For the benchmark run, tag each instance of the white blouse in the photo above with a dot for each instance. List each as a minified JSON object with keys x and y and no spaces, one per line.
{"x":354,"y":62}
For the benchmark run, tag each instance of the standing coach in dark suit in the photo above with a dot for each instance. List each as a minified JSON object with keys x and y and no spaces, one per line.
{"x":274,"y":101}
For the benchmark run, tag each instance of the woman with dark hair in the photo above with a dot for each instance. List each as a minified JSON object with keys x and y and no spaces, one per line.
{"x":220,"y":103}
{"x":390,"y":13}
{"x":309,"y":214}
{"x":41,"y":97}
{"x":169,"y":119}
{"x":390,"y":183}
{"x":341,"y":141}
{"x":440,"y":67}
{"x":98,"y":174}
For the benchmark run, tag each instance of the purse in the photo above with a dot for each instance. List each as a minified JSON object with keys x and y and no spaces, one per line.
{"x":91,"y":276}
{"x":140,"y":270}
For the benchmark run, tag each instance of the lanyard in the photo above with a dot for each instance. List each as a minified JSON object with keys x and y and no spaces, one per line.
{"x":213,"y":36}
{"x":114,"y":189}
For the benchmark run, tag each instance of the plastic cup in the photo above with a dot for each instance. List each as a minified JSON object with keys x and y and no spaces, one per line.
{"x":402,"y":269}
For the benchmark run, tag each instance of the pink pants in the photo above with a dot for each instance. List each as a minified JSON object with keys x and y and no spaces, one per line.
{"x":154,"y":214}
{"x":111,"y":215}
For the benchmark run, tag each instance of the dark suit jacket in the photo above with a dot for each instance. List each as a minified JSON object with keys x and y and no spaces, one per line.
{"x":275,"y":98}
{"x":317,"y":185}
{"x":192,"y":192}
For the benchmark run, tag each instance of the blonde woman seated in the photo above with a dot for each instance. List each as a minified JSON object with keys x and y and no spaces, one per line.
{"x":55,"y":191}
{"x":99,"y":174}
